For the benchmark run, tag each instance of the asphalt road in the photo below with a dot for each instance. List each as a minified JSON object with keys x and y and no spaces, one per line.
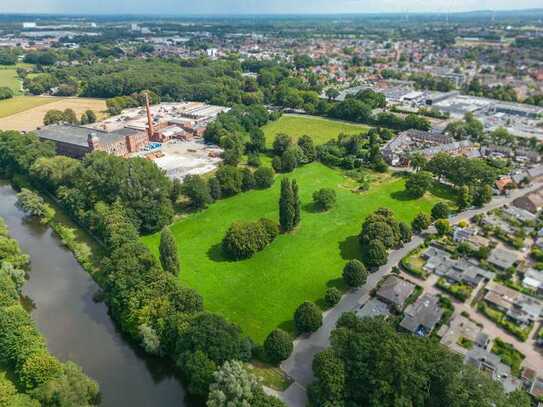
{"x":298,"y":365}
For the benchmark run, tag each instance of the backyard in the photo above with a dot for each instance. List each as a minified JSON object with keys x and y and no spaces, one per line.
{"x":261,"y":293}
{"x":320,"y":129}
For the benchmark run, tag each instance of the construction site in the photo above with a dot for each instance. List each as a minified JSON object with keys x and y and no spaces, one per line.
{"x":169,"y":134}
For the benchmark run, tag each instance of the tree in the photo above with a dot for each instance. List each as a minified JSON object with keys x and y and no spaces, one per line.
{"x":440,"y":211}
{"x":230,"y":179}
{"x":289,"y":161}
{"x":196,"y":188}
{"x":324,"y":199}
{"x":332,"y":94}
{"x":247,"y":179}
{"x":69,"y":116}
{"x":244,"y":239}
{"x":287,"y":209}
{"x":5,"y":93}
{"x":355,"y":274}
{"x":465,"y":197}
{"x":91,"y":116}
{"x":418,"y":183}
{"x":214,"y":188}
{"x":34,"y":205}
{"x":482,"y":195}
{"x":406,"y":233}
{"x":307,"y":318}
{"x":53,"y":117}
{"x":281,"y":144}
{"x":376,"y":254}
{"x":233,"y":386}
{"x":329,"y":388}
{"x":443,"y":227}
{"x":332,"y":297}
{"x":421,"y":222}
{"x":168,"y":252}
{"x":297,"y":204}
{"x":278,"y":346}
{"x":308,"y":148}
{"x":198,"y":371}
{"x":212,"y":334}
{"x":370,"y":364}
{"x":263,"y":177}
{"x":417,"y":161}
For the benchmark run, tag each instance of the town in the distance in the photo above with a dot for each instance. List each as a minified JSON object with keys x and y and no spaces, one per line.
{"x":271,"y":210}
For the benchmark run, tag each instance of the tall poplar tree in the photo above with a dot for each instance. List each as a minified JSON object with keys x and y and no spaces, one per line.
{"x":168,"y":251}
{"x":297,"y":204}
{"x":286,"y":206}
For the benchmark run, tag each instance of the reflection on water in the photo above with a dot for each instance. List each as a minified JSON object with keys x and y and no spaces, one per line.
{"x":59,"y":293}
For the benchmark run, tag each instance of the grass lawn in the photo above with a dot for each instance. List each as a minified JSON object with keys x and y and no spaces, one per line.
{"x":9,"y":79}
{"x":262,"y":293}
{"x":320,"y":129}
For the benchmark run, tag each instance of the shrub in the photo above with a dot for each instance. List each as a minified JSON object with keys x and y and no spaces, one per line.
{"x":355,"y":274}
{"x":278,"y":346}
{"x":324,"y":199}
{"x":421,"y":222}
{"x":247,"y":180}
{"x":307,"y":318}
{"x":332,"y":297}
{"x":263,"y":177}
{"x":443,"y":227}
{"x":253,"y":160}
{"x":5,"y":93}
{"x":244,"y":239}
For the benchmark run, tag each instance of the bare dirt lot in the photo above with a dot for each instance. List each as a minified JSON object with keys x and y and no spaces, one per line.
{"x":32,"y":117}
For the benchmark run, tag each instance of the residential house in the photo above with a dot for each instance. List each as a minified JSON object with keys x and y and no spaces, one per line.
{"x":503,"y":184}
{"x":421,"y":317}
{"x":395,"y":291}
{"x":454,"y":271}
{"x":519,"y":214}
{"x":461,"y":328}
{"x":373,"y":308}
{"x":531,"y":202}
{"x":491,"y":363}
{"x":533,"y":280}
{"x":520,"y":308}
{"x":503,"y":258}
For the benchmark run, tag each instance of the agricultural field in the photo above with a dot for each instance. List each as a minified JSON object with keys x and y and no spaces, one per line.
{"x":26,"y":113}
{"x":320,"y":129}
{"x":261,"y":293}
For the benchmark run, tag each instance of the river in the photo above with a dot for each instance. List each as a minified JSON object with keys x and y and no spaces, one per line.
{"x":79,"y":329}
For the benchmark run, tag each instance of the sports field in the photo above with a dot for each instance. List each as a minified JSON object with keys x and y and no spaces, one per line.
{"x":26,"y":113}
{"x":262,"y":293}
{"x":320,"y":129}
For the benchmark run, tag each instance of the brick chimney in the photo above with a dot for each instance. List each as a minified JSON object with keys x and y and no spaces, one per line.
{"x":150,"y":129}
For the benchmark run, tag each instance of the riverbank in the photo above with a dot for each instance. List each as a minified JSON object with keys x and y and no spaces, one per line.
{"x":78,"y":328}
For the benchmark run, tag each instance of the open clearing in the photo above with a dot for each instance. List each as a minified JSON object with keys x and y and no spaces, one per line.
{"x":320,"y":129}
{"x":9,"y":79}
{"x":26,"y":113}
{"x":262,"y":293}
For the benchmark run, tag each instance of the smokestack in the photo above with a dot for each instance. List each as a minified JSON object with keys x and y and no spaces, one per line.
{"x":150,"y":129}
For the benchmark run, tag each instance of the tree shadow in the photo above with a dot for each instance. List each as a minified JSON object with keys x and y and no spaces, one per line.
{"x":336,"y":283}
{"x":311,"y":208}
{"x":443,"y":191}
{"x":350,"y":248}
{"x":287,"y":326}
{"x":216,"y":254}
{"x":402,"y":196}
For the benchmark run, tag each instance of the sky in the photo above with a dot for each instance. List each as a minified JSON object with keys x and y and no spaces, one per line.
{"x":180,"y":7}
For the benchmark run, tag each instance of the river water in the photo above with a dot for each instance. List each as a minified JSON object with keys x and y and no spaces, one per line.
{"x":79,"y":329}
